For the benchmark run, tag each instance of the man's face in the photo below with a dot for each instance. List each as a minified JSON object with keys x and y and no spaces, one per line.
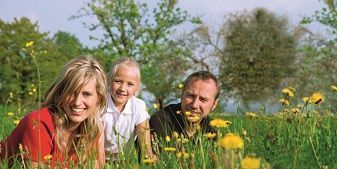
{"x":198,"y":99}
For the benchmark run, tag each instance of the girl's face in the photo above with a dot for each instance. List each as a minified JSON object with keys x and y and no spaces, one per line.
{"x":83,"y":104}
{"x":124,"y":85}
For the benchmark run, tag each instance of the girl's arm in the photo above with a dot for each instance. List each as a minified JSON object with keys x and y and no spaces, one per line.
{"x":144,"y":139}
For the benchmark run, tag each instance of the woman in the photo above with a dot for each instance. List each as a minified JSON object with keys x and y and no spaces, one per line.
{"x":67,"y":130}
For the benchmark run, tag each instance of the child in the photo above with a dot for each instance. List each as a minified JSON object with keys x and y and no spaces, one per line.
{"x":126,"y":115}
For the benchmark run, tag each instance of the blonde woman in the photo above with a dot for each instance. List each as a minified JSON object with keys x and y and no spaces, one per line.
{"x":67,"y":130}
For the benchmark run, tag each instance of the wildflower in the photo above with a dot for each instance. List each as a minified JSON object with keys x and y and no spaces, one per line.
{"x":231,"y":141}
{"x":155,"y":106}
{"x":284,"y":102}
{"x":175,"y":134}
{"x":187,"y":113}
{"x":11,"y":95}
{"x":180,"y":86}
{"x":193,"y":119}
{"x":149,"y":161}
{"x":178,"y":112}
{"x":295,"y":110}
{"x":305,"y":99}
{"x":182,"y":140}
{"x":250,"y":163}
{"x":219,"y":123}
{"x":334,"y":87}
{"x":251,"y":114}
{"x":47,"y":157}
{"x":10,"y":114}
{"x":182,"y":154}
{"x":20,"y":147}
{"x":170,"y":149}
{"x":30,"y":93}
{"x":167,"y":138}
{"x":16,"y":122}
{"x":210,"y":135}
{"x":316,"y":98}
{"x":29,"y":44}
{"x":288,"y":91}
{"x":34,"y":90}
{"x":244,"y":132}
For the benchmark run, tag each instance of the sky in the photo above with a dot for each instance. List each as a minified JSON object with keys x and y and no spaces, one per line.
{"x":53,"y":15}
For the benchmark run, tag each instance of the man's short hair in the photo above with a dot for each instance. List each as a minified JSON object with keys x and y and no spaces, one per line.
{"x":204,"y":76}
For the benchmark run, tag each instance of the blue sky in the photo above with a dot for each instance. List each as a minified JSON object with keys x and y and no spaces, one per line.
{"x":53,"y":15}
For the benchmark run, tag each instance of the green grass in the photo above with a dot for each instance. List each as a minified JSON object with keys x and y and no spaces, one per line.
{"x":285,"y":140}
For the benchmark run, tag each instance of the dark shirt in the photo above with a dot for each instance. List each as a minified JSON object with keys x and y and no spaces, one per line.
{"x":171,"y":118}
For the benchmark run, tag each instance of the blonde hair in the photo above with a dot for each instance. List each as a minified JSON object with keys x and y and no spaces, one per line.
{"x":126,"y":61}
{"x":77,"y":73}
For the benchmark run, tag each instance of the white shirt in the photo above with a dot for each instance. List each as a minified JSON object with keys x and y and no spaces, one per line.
{"x":119,"y":127}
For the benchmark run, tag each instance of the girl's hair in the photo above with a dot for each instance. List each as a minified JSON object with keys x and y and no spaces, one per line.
{"x":76,"y":74}
{"x":126,"y":61}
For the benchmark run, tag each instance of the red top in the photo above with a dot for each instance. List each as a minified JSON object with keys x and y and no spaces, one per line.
{"x":36,"y":134}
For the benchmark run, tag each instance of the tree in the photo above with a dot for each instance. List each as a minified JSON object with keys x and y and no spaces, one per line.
{"x":18,"y":71}
{"x":130,"y":30}
{"x":258,"y":55}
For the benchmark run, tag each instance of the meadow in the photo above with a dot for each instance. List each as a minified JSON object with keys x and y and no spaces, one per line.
{"x":298,"y":136}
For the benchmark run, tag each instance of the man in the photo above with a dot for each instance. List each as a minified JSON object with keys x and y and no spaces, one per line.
{"x":199,"y":98}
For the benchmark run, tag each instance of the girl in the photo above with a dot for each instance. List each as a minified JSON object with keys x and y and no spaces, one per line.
{"x":68,"y":123}
{"x":126,"y":114}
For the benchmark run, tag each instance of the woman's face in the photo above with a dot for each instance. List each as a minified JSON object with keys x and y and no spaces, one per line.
{"x":83,"y":104}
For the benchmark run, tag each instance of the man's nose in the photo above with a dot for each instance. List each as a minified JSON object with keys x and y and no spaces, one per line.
{"x":195,"y":103}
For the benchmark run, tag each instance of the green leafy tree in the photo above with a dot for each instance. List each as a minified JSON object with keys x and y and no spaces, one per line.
{"x":258,"y":55}
{"x":18,"y":70}
{"x":130,"y":30}
{"x":318,"y":63}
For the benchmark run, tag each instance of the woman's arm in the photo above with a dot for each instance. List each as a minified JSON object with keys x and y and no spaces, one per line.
{"x":144,"y":139}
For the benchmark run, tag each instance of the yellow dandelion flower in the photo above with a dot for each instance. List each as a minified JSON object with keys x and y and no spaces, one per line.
{"x":210,"y":135}
{"x":180,"y":86}
{"x":182,"y":140}
{"x":231,"y":141}
{"x":20,"y":147}
{"x":305,"y":99}
{"x":251,"y":114}
{"x":170,"y":149}
{"x":193,"y":119}
{"x":30,"y":93}
{"x":47,"y":157}
{"x":316,"y":98}
{"x":185,"y":155}
{"x":187,"y":113}
{"x":219,"y":123}
{"x":167,"y":138}
{"x":149,"y":161}
{"x":250,"y":163}
{"x":288,"y":92}
{"x":244,"y":132}
{"x":179,"y":154}
{"x":295,"y":110}
{"x":29,"y":44}
{"x":155,"y":106}
{"x":178,"y":112}
{"x":11,"y":94}
{"x":34,"y":90}
{"x":334,"y":87}
{"x":10,"y":114}
{"x":16,"y":122}
{"x":284,"y":102}
{"x":175,"y":135}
